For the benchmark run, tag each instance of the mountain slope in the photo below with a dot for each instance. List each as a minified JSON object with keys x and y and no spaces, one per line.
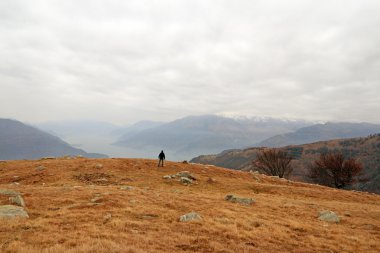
{"x":367,"y":150}
{"x":193,"y":135}
{"x":20,"y":141}
{"x":127,"y":206}
{"x":321,"y":132}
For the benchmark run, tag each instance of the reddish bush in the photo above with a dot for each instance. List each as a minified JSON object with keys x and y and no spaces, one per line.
{"x":332,"y":169}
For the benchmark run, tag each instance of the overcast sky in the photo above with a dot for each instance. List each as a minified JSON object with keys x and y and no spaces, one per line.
{"x":124,"y":61}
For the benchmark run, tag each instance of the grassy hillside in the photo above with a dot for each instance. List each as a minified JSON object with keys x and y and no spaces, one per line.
{"x":367,"y":150}
{"x":125,"y":205}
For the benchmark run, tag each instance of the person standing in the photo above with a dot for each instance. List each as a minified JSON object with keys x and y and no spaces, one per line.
{"x":161,"y":156}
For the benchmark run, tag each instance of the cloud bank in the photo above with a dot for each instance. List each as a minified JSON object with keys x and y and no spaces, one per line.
{"x":123,"y":61}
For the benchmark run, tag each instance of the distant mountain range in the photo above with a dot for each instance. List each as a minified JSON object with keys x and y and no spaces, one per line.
{"x":321,"y":132}
{"x":366,"y":149}
{"x":194,"y":135}
{"x":21,"y":141}
{"x":191,"y":136}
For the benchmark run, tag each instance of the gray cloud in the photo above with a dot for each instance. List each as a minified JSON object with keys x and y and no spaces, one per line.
{"x":123,"y":61}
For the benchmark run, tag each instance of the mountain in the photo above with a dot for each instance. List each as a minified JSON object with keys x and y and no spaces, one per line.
{"x":321,"y":132}
{"x":136,"y":128}
{"x":70,"y":128}
{"x":366,"y":149}
{"x":125,"y":205}
{"x":20,"y":141}
{"x":194,"y":135}
{"x":96,"y":136}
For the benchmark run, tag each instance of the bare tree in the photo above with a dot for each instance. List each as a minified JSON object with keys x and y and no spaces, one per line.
{"x":332,"y":169}
{"x":274,"y":162}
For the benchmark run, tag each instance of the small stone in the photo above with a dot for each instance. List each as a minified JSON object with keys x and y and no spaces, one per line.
{"x":167,"y":177}
{"x":329,"y":216}
{"x":48,"y":158}
{"x":211,"y":180}
{"x":149,"y":216}
{"x":107,"y":217}
{"x":96,"y":200}
{"x":17,"y":200}
{"x":190,"y":217}
{"x":127,"y":187}
{"x":235,"y":199}
{"x":40,"y":167}
{"x":9,"y":211}
{"x":98,"y":166}
{"x":347,"y":213}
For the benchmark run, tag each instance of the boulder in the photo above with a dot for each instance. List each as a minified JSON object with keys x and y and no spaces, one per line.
{"x":17,"y":200}
{"x":186,"y":180}
{"x":185,"y":174}
{"x":9,"y":211}
{"x":329,"y":216}
{"x":235,"y":199}
{"x":190,"y":216}
{"x":9,"y":192}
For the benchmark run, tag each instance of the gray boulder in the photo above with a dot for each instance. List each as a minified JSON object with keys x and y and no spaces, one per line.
{"x":186,"y":180}
{"x":17,"y":200}
{"x":190,"y":216}
{"x":9,"y":211}
{"x":235,"y":199}
{"x":185,"y":174}
{"x":9,"y":192}
{"x":329,"y":216}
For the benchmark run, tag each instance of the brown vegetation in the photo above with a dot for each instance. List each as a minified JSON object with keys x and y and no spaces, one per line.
{"x":75,"y":206}
{"x":332,"y":169}
{"x":273,"y":162}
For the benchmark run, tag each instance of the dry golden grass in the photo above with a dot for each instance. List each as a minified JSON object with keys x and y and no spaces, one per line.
{"x":72,"y":208}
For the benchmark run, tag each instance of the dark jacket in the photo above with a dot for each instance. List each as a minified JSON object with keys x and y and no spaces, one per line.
{"x":161,"y":155}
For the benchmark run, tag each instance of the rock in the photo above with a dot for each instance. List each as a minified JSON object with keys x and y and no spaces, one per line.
{"x":186,"y":180}
{"x":185,"y":162}
{"x":347,"y":213}
{"x":17,"y":200}
{"x":40,"y":167}
{"x":149,"y":216}
{"x":235,"y":199}
{"x":96,"y":199}
{"x":185,"y":174}
{"x":127,"y":187}
{"x":9,"y":192}
{"x":256,"y":172}
{"x":9,"y":211}
{"x":48,"y":158}
{"x":167,"y":177}
{"x":190,"y":216}
{"x":107,"y":217}
{"x":98,"y":166}
{"x":211,"y":180}
{"x":329,"y":216}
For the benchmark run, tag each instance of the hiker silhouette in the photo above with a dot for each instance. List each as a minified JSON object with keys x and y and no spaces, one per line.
{"x":161,"y":156}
